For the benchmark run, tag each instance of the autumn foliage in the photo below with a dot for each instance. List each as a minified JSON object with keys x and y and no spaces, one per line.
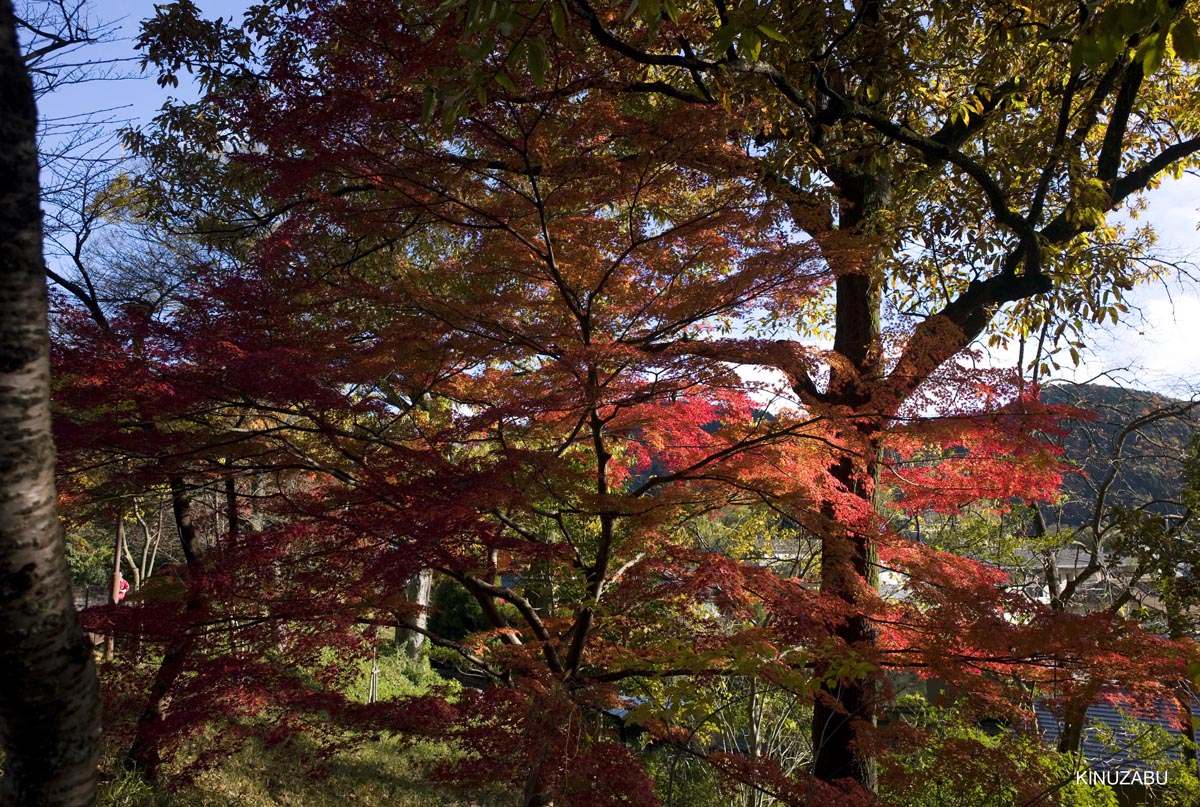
{"x":531,"y":344}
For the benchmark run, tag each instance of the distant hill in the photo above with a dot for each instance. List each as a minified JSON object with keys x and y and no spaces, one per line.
{"x":1153,"y":431}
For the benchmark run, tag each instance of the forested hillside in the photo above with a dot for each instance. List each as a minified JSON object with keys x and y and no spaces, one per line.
{"x":1132,"y":449}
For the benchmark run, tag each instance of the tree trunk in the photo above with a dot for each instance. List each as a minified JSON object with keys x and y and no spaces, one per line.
{"x":144,"y":754}
{"x":848,"y":556}
{"x":753,"y":718}
{"x":49,"y":702}
{"x":862,"y":186}
{"x":231,"y":508}
{"x":181,"y":505}
{"x":417,"y":591}
{"x":1187,"y":727}
{"x":1070,"y":740}
{"x":534,"y":793}
{"x":849,"y":568}
{"x":114,"y":591}
{"x":842,"y":708}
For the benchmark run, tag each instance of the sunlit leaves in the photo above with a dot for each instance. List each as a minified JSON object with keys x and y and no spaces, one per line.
{"x":509,"y":270}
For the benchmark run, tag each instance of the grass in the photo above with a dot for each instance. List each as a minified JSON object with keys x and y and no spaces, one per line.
{"x":378,"y":774}
{"x":388,"y":772}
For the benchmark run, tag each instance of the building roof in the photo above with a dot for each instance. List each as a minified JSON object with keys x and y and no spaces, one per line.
{"x":1114,"y":733}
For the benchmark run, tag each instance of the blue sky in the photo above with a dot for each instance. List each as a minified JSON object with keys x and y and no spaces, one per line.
{"x":1158,"y":347}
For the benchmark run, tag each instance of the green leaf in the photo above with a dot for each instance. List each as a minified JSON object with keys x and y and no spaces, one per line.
{"x":723,"y":38}
{"x":652,"y":14}
{"x":558,"y":20}
{"x":1151,"y":53}
{"x":473,"y":16}
{"x":427,"y":103}
{"x":1127,"y":18}
{"x":536,"y":59}
{"x":751,"y":44}
{"x":1153,"y":60}
{"x":1084,"y":53}
{"x":504,"y":81}
{"x":770,"y":32}
{"x":514,"y":57}
{"x":1186,"y":39}
{"x":450,"y":115}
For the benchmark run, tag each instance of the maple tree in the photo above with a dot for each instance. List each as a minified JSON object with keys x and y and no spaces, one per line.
{"x":386,"y":428}
{"x":487,"y":319}
{"x":1116,"y":538}
{"x":974,"y":151}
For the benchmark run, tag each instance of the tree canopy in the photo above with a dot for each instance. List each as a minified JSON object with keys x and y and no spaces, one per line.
{"x":534,"y":294}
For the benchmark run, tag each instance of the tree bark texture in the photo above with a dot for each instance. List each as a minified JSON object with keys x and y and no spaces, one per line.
{"x":849,"y":557}
{"x":49,"y":699}
{"x":409,"y":628}
{"x":843,"y":708}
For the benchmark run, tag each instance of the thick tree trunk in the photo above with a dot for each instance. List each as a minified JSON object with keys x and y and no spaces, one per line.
{"x":49,"y":702}
{"x":181,"y":505}
{"x":1180,"y":626}
{"x":1187,"y":727}
{"x":848,"y":555}
{"x":231,"y":508}
{"x":843,"y":708}
{"x":1070,"y":739}
{"x":534,"y":794}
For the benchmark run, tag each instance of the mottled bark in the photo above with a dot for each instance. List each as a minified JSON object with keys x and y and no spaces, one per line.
{"x":410,"y":628}
{"x":49,"y":703}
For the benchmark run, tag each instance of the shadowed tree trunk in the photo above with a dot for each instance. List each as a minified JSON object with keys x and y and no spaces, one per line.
{"x":145,"y":754}
{"x":49,"y":702}
{"x":844,"y":708}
